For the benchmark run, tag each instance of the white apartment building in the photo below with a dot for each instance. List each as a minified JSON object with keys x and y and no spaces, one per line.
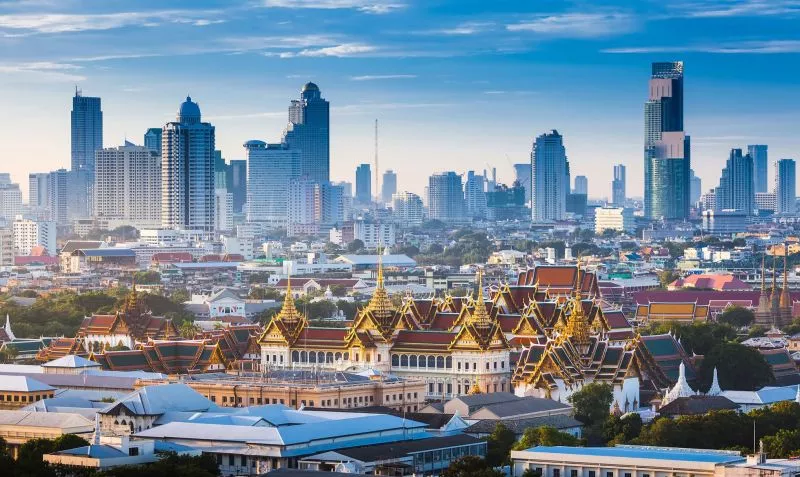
{"x":223,"y":210}
{"x":305,"y":207}
{"x":766,"y":201}
{"x":10,"y":202}
{"x":31,"y":233}
{"x":6,"y":247}
{"x":374,"y":234}
{"x":128,"y":186}
{"x":613,"y":218}
{"x":408,"y":209}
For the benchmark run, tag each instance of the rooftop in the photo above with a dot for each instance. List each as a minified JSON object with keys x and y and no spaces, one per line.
{"x":646,"y":452}
{"x":22,"y":384}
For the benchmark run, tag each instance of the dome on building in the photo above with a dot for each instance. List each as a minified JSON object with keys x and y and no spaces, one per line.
{"x":189,"y":112}
{"x":310,"y":87}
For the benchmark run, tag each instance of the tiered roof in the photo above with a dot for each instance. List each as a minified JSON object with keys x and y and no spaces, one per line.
{"x":169,"y":357}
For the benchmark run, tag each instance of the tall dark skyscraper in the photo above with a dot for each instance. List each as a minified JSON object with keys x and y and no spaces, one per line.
{"x":618,"y":186}
{"x":735,"y":191}
{"x":759,"y":154}
{"x":152,"y":140}
{"x":309,"y":132}
{"x":87,"y":131}
{"x":236,"y":177}
{"x":786,"y":186}
{"x":666,"y":146}
{"x":363,"y":184}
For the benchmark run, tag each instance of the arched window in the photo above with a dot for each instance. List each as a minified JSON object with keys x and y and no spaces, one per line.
{"x":295,"y":356}
{"x":423,"y":361}
{"x":346,"y":356}
{"x":404,"y":361}
{"x":431,"y":361}
{"x":312,"y":357}
{"x":395,"y":360}
{"x":448,"y":362}
{"x":320,"y":357}
{"x":412,"y":361}
{"x":440,"y":361}
{"x":303,"y":357}
{"x":329,"y":357}
{"x":337,"y":356}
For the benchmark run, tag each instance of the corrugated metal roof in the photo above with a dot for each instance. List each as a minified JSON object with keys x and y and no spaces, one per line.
{"x":10,"y":382}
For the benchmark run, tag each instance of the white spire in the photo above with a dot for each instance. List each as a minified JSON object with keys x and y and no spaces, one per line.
{"x":681,"y":388}
{"x":7,"y":329}
{"x":797,"y":395}
{"x":714,"y":390}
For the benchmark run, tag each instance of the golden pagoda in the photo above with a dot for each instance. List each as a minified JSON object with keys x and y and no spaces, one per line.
{"x":288,"y":324}
{"x":577,"y":327}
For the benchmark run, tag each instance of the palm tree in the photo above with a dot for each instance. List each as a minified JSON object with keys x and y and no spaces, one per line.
{"x":188,"y":329}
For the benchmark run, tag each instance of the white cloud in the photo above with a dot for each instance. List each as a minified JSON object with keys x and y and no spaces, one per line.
{"x":737,"y":8}
{"x":341,"y":51}
{"x":577,"y":25}
{"x":43,"y":70}
{"x":68,"y":23}
{"x":381,"y":77}
{"x":462,"y":29}
{"x":376,"y":7}
{"x":742,"y":47}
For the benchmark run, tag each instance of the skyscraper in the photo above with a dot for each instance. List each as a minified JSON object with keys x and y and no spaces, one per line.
{"x":618,"y":186}
{"x":581,"y":185}
{"x":363,"y":184}
{"x":666,"y":145}
{"x":759,"y":154}
{"x":270,"y":168}
{"x":87,"y":131}
{"x":549,"y":178}
{"x":407,"y":209}
{"x":37,"y":190}
{"x":236,"y":182}
{"x":735,"y":191}
{"x":785,"y":186}
{"x":10,"y":202}
{"x":309,"y":132}
{"x":187,"y":171}
{"x":445,"y":197}
{"x":152,"y":140}
{"x":695,"y":188}
{"x":57,"y":196}
{"x":522,"y":174}
{"x":223,"y":210}
{"x":475,"y":195}
{"x":388,"y":186}
{"x":305,"y":207}
{"x":128,"y":185}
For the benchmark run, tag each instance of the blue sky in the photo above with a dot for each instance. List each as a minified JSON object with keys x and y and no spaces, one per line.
{"x":456,"y":84}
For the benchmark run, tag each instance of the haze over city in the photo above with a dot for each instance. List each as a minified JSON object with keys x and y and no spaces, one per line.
{"x":456,"y":85}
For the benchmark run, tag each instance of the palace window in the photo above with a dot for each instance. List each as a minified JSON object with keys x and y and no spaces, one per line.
{"x":440,"y":361}
{"x":395,"y":360}
{"x":403,"y":360}
{"x":412,"y":361}
{"x":448,"y":362}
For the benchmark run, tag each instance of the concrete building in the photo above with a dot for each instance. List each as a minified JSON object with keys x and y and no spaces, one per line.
{"x":32,"y":233}
{"x":765,"y":202}
{"x":735,"y":191}
{"x":522,"y":174}
{"x":388,"y":186}
{"x":581,"y":185}
{"x":475,"y":196}
{"x":6,"y":247}
{"x":305,"y":207}
{"x":187,"y":171}
{"x":152,"y":140}
{"x":618,"y":186}
{"x":57,"y":194}
{"x":407,"y":209}
{"x":550,"y":178}
{"x":760,"y":160}
{"x":785,"y":187}
{"x":619,"y":219}
{"x":223,"y":210}
{"x":374,"y":234}
{"x":86,"y":123}
{"x":309,"y":132}
{"x":363,"y":184}
{"x":128,"y":185}
{"x":695,"y":188}
{"x":270,"y":168}
{"x":445,"y":197}
{"x":10,"y":201}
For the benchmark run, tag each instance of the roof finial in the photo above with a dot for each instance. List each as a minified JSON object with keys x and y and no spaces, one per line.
{"x":763,"y":272}
{"x":380,"y":268}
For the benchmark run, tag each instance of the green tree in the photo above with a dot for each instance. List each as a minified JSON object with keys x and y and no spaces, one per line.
{"x":6,"y":461}
{"x":180,"y":296}
{"x":188,"y":329}
{"x":499,"y":444}
{"x":470,"y":466}
{"x":737,"y":316}
{"x":355,"y":246}
{"x":29,"y":459}
{"x":620,"y":430}
{"x":738,"y":366}
{"x":592,"y":403}
{"x":786,"y":443}
{"x":170,"y":465}
{"x":666,"y":277}
{"x":149,"y":277}
{"x":545,"y":436}
{"x":532,"y":472}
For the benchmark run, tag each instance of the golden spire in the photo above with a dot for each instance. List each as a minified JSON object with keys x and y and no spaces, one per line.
{"x":786,"y":301}
{"x":380,"y":305}
{"x":577,"y":327}
{"x":480,"y":316}
{"x":580,"y":281}
{"x":774,"y":295}
{"x":289,"y":313}
{"x":763,"y":271}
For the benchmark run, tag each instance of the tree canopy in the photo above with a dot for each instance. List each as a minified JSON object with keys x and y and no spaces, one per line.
{"x":737,"y":316}
{"x":738,"y":366}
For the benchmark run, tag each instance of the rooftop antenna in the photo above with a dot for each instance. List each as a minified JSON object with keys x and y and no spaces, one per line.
{"x":377,"y":176}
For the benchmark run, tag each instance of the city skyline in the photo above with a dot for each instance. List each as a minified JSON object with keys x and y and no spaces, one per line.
{"x":453,"y":60}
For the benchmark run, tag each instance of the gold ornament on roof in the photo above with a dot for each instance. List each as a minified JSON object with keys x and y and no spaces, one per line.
{"x":577,"y":327}
{"x":289,"y":315}
{"x":480,"y":316}
{"x":380,"y":305}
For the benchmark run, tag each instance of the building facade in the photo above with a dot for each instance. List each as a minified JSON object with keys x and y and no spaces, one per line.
{"x":309,"y":132}
{"x":363,"y":184}
{"x":407,"y":209}
{"x":187,"y":171}
{"x":128,"y":185}
{"x":34,"y":233}
{"x":522,"y":174}
{"x":388,"y":186}
{"x":10,"y":201}
{"x":760,"y":160}
{"x":550,"y":183}
{"x":305,"y":207}
{"x":785,"y":186}
{"x":619,"y":219}
{"x":735,"y":191}
{"x":87,"y":131}
{"x":618,"y":192}
{"x":270,"y":169}
{"x":223,"y":210}
{"x":581,"y":185}
{"x":152,"y":140}
{"x":445,"y":197}
{"x":475,"y":196}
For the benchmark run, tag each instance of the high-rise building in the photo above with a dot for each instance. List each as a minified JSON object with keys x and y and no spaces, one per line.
{"x":333,"y":204}
{"x":735,"y":191}
{"x":10,"y":202}
{"x":309,"y":132}
{"x":223,"y":210}
{"x":445,"y":197}
{"x":87,"y":131}
{"x":695,"y":188}
{"x":666,"y":145}
{"x":407,"y":209}
{"x":37,"y":190}
{"x":57,"y":193}
{"x":305,"y":207}
{"x":187,"y":171}
{"x":347,"y":198}
{"x":363,"y":184}
{"x":618,"y":186}
{"x":613,"y":218}
{"x":522,"y":174}
{"x":581,"y":185}
{"x":785,"y":187}
{"x":549,"y":178}
{"x":270,"y":168}
{"x":152,"y":140}
{"x":506,"y":203}
{"x":32,"y":233}
{"x":759,"y":154}
{"x":388,"y":186}
{"x":475,"y":196}
{"x":236,"y":180}
{"x":128,"y":186}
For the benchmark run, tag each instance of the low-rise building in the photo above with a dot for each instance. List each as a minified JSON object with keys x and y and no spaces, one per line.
{"x":18,"y":427}
{"x":19,"y":391}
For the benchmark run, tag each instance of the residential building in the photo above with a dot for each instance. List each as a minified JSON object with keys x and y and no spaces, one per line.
{"x":695,"y":188}
{"x":309,"y":132}
{"x":666,"y":145}
{"x":407,"y":209}
{"x":618,"y":192}
{"x":305,"y":207}
{"x":374,"y":234}
{"x":29,"y":234}
{"x":152,"y":140}
{"x":270,"y":169}
{"x":334,"y":204}
{"x":223,"y":210}
{"x":363,"y":184}
{"x":87,"y":131}
{"x":766,"y":202}
{"x":581,"y":185}
{"x":57,"y":193}
{"x":475,"y":196}
{"x":10,"y":202}
{"x":236,"y":183}
{"x":445,"y":197}
{"x":506,"y":203}
{"x":38,"y":201}
{"x":785,"y":186}
{"x":522,"y":174}
{"x":128,"y":186}
{"x":550,"y":178}
{"x":735,"y":191}
{"x":187,"y":171}
{"x":760,"y":160}
{"x":80,"y":194}
{"x":619,"y":219}
{"x":388,"y":186}
{"x":6,"y":247}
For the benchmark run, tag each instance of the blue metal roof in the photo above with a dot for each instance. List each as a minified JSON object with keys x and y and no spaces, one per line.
{"x":645,"y":452}
{"x":106,"y":252}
